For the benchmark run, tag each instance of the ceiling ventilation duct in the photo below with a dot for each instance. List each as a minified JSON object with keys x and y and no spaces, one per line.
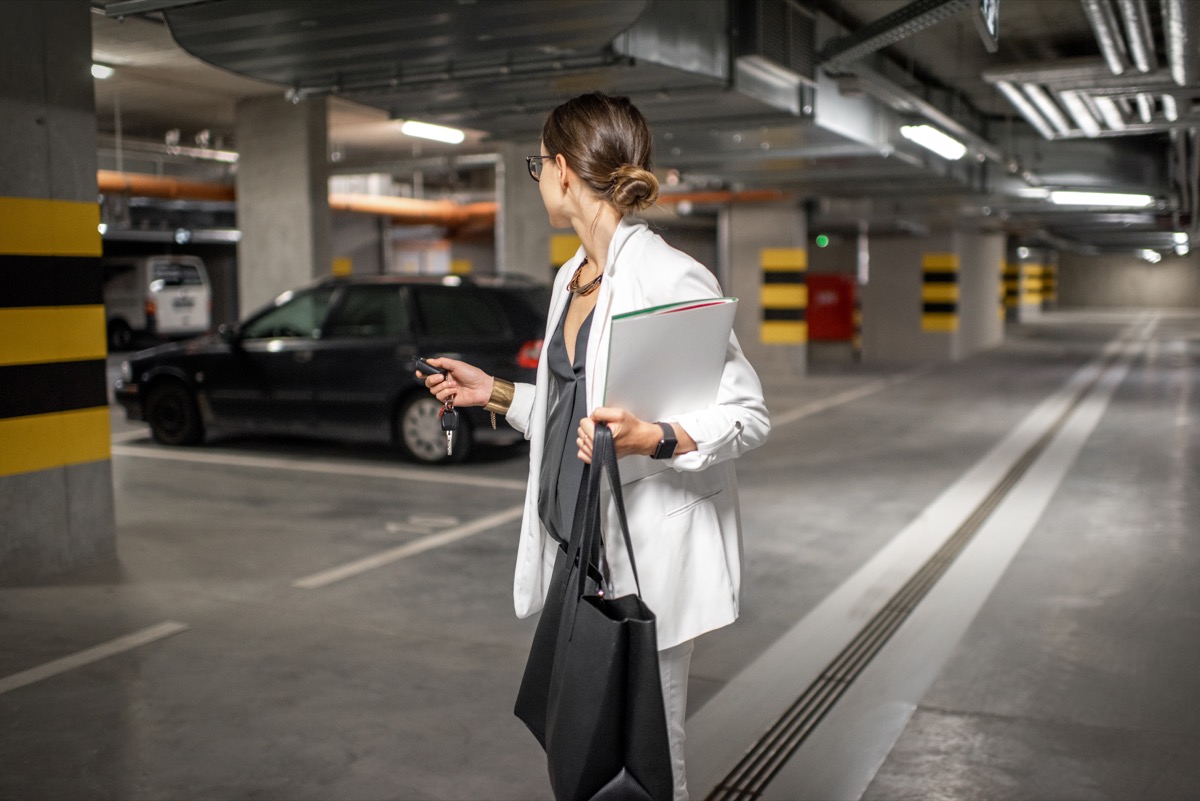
{"x":776,"y":58}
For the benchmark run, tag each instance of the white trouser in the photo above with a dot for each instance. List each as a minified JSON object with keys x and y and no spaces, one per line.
{"x":673,"y":665}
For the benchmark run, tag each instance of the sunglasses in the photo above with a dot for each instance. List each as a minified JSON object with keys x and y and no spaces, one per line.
{"x":535,"y":166}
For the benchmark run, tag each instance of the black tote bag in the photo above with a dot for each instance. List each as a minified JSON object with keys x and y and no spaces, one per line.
{"x":601,"y":711}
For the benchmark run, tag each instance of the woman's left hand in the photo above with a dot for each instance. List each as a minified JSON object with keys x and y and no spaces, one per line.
{"x":630,"y":434}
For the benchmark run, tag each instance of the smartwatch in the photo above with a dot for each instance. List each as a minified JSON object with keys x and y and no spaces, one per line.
{"x":666,"y":445}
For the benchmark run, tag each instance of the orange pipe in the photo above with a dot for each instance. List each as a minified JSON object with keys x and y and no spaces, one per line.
{"x":412,"y":211}
{"x":154,"y":186}
{"x":747,"y":196}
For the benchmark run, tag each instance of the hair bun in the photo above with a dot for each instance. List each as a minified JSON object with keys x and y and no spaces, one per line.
{"x":633,"y":189}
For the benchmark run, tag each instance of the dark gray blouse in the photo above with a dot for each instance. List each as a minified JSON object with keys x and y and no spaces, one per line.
{"x":561,"y":467}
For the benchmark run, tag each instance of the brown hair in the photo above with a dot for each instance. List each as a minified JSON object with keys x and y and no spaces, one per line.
{"x":606,"y":140}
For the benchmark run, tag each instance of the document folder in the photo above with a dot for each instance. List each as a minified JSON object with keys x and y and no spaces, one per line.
{"x":667,"y":360}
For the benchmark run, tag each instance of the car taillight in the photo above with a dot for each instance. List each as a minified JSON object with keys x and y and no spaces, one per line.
{"x":529,"y":354}
{"x":151,"y":308}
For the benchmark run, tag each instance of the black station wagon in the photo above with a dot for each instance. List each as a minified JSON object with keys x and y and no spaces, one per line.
{"x":336,"y":358}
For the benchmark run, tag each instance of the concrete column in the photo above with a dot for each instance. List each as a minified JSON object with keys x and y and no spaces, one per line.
{"x":522,"y":228}
{"x":1027,"y":268}
{"x":283,"y":196}
{"x":936,"y":298}
{"x":748,"y":230}
{"x":56,"y":497}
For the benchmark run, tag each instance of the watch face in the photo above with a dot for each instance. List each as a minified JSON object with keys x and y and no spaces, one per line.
{"x":666,"y":446}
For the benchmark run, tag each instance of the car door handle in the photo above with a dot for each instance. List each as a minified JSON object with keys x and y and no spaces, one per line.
{"x":303,"y":356}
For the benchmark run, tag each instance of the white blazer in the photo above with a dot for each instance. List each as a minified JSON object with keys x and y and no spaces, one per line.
{"x":684,"y":522}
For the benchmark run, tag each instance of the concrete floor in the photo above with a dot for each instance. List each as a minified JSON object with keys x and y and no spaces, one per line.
{"x":1056,"y":658}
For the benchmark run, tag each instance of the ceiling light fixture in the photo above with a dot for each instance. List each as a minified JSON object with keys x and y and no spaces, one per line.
{"x":932,"y":139}
{"x":101,"y":73}
{"x":1108,"y":199}
{"x":1152,"y":256}
{"x":438,"y":133}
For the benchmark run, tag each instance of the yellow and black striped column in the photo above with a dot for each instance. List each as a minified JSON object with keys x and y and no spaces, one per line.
{"x":53,"y":401}
{"x":56,"y":492}
{"x":939,"y":292}
{"x":784,"y":296}
{"x":1012,"y":288}
{"x":562,"y":249}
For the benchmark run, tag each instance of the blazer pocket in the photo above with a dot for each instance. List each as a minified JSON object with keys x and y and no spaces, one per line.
{"x":692,"y":504}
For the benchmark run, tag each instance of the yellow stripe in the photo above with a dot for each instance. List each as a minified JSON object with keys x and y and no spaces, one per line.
{"x":939,"y":293}
{"x":783,"y":332}
{"x":939,"y":323}
{"x":343,"y":266}
{"x":51,"y":334}
{"x":784,"y":296}
{"x":939,"y":262}
{"x":45,"y":441}
{"x":39,"y":227}
{"x":461,"y":266}
{"x":783,"y":258}
{"x":563,"y":247}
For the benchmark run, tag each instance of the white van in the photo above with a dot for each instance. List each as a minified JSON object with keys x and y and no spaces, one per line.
{"x":161,"y":296}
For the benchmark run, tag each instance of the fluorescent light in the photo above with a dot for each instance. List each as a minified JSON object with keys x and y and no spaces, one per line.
{"x":931,"y":138}
{"x":1182,"y":250}
{"x":1152,"y":256}
{"x":1179,"y":237}
{"x":101,"y":72}
{"x":1110,"y":199}
{"x":438,"y":133}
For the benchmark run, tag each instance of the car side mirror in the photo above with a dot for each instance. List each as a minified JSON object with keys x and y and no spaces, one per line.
{"x":230,"y":334}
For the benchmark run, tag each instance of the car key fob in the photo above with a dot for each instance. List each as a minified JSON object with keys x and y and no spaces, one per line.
{"x":426,"y":368}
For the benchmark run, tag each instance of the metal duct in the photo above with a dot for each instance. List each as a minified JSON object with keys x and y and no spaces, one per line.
{"x":1110,"y":112}
{"x":1047,"y":106}
{"x":1104,"y":26}
{"x":1027,"y":109}
{"x":1170,"y":108}
{"x":1079,"y":112}
{"x":1145,"y":106}
{"x":1138,"y":34}
{"x":1181,"y":21}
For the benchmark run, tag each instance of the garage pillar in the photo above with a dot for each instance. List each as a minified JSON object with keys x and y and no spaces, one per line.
{"x":764,"y":264}
{"x":934,"y":298}
{"x":56,"y":496}
{"x":522,"y":228}
{"x":283,"y":197}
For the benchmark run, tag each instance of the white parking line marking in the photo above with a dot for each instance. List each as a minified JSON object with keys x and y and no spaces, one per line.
{"x":126,"y":436}
{"x":318,"y":466}
{"x":809,"y":409}
{"x":351,"y":569}
{"x":102,"y":651}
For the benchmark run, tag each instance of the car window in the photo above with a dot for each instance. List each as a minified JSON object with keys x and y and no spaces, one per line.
{"x":177,"y":274}
{"x":369,"y":311}
{"x":451,"y":312}
{"x":297,"y":316}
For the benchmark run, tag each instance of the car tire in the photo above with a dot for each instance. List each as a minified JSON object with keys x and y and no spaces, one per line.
{"x":419,"y":432}
{"x":120,"y":335}
{"x":173,"y":414}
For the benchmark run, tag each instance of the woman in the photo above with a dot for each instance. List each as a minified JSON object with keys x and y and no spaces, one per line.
{"x":593,"y":172}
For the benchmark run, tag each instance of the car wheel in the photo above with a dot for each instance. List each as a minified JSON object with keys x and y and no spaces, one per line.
{"x":173,"y":415}
{"x":419,"y":432}
{"x":120,"y":335}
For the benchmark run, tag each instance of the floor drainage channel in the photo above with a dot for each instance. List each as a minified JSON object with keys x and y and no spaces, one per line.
{"x":750,"y":777}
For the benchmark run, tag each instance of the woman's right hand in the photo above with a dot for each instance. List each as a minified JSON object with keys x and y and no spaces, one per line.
{"x":463,"y":383}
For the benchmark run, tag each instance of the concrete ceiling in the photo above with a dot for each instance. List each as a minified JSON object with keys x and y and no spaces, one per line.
{"x":722,"y":119}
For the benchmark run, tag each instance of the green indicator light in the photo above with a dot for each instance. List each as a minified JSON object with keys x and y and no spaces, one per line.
{"x":822,"y":241}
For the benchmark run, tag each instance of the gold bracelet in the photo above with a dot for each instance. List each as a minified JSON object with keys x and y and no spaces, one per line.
{"x":502,"y":396}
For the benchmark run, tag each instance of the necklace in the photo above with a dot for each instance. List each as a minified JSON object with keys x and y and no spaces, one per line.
{"x":587,"y":288}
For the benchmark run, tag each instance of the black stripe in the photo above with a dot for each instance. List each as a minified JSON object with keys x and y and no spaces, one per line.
{"x":939,"y":308}
{"x":784,"y":277}
{"x":790,"y":315}
{"x":50,"y":281}
{"x":941,"y":277}
{"x":54,"y":387}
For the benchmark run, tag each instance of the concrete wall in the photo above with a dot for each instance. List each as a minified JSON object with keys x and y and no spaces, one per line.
{"x":56,"y":496}
{"x":359,"y":238}
{"x":891,"y":303}
{"x":1127,"y":281}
